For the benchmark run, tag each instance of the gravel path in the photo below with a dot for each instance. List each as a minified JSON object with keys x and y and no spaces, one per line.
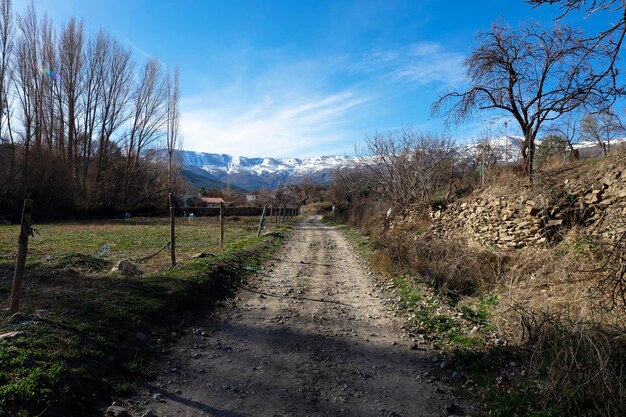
{"x":308,"y":336}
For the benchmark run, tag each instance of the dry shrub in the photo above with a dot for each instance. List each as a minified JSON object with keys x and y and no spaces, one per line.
{"x":551,"y":308}
{"x":316,"y":208}
{"x":451,"y":265}
{"x":581,"y":365}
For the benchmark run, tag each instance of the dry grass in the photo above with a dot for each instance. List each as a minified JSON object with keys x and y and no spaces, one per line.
{"x":316,"y":208}
{"x":453,"y":266}
{"x":550,"y":307}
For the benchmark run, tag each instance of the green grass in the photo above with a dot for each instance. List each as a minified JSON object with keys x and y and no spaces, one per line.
{"x":135,"y":239}
{"x":81,"y":346}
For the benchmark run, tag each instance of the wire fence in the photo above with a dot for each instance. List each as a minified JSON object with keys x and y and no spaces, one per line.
{"x":94,"y":243}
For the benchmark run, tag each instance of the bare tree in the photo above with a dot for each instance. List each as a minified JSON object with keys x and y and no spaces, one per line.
{"x":26,"y":81}
{"x":173,"y":123}
{"x":6,"y":132}
{"x":71,"y":59}
{"x":115,"y":95}
{"x":568,"y":128}
{"x":601,"y":128}
{"x":407,"y":166}
{"x":610,"y":40}
{"x":149,"y":117}
{"x":535,"y":75}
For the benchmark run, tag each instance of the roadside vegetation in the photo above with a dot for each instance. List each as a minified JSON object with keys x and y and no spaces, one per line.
{"x":538,"y":331}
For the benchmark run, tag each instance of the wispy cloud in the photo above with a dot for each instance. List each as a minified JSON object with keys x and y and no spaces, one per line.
{"x":311,"y":106}
{"x":271,"y":126}
{"x":420,"y":63}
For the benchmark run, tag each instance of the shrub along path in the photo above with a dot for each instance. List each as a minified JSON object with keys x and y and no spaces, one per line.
{"x":308,"y":336}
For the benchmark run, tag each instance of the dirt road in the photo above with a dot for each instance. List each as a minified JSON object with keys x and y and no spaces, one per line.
{"x":308,"y":336}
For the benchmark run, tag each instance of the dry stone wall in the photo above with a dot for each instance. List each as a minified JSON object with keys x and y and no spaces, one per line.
{"x":595,"y":202}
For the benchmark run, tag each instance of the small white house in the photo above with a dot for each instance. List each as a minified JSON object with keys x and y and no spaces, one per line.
{"x":250,"y":198}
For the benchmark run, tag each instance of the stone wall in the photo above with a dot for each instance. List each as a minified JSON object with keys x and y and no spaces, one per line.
{"x":594,"y":201}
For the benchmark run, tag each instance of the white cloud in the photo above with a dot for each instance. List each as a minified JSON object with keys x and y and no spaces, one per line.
{"x":420,"y":63}
{"x":269,"y":126}
{"x":305,"y":107}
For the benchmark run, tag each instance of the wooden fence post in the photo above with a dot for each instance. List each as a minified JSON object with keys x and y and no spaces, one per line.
{"x":258,"y":233}
{"x":221,"y":225}
{"x":172,"y":230}
{"x":276,"y":218}
{"x":22,"y":251}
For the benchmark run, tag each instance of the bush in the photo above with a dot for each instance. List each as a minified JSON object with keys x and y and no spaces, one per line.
{"x":581,"y":365}
{"x":453,"y":266}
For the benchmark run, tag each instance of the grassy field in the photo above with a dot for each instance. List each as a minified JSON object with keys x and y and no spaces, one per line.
{"x":79,"y":347}
{"x":134,"y":240}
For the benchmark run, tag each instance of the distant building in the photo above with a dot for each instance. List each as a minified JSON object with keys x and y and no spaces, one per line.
{"x":251,"y":198}
{"x":212,"y":201}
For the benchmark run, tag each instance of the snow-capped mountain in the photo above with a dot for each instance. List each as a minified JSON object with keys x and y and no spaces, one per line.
{"x":212,"y":170}
{"x":217,"y":170}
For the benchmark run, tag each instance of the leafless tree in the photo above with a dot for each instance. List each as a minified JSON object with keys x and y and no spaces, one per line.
{"x":26,"y":81}
{"x":601,"y":128}
{"x":71,"y":60}
{"x":533,"y":74}
{"x":609,"y":40}
{"x":115,"y":95}
{"x":149,"y":117}
{"x":568,"y":128}
{"x":407,"y":166}
{"x":6,"y":132}
{"x":173,"y":122}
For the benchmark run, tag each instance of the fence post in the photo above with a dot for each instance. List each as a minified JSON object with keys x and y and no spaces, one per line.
{"x":22,"y":251}
{"x":276,"y":218}
{"x":172,"y":230}
{"x":258,"y":233}
{"x":221,"y":225}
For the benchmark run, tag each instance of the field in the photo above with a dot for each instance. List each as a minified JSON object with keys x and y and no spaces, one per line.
{"x":79,"y":341}
{"x":53,"y":244}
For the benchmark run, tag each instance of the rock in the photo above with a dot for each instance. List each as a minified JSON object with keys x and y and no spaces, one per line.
{"x":11,"y":335}
{"x":117,"y":411}
{"x":157,"y":396}
{"x":127,"y":268}
{"x":454,"y":409}
{"x":200,"y":255}
{"x":552,"y":223}
{"x":18,"y":318}
{"x":141,"y":336}
{"x":456,"y":375}
{"x":149,"y":413}
{"x":443,"y":365}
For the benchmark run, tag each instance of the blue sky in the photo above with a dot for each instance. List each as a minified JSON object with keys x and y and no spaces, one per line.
{"x":302,"y":77}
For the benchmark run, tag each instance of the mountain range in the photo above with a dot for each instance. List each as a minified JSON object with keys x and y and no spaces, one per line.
{"x":210,"y":170}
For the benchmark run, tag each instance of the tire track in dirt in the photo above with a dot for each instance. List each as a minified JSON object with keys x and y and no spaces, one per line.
{"x":277,"y":352}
